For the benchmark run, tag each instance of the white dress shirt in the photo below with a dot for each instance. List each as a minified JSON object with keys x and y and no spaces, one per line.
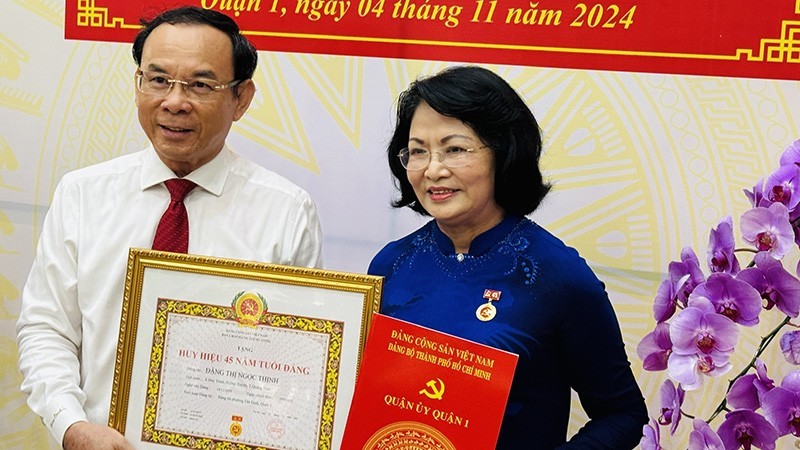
{"x":71,"y":304}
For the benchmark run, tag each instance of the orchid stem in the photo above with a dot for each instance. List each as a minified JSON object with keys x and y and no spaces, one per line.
{"x":749,"y":250}
{"x":765,"y":341}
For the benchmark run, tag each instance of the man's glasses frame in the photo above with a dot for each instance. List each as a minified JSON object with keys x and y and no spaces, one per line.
{"x":160,"y":84}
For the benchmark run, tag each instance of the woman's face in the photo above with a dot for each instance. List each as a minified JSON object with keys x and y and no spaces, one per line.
{"x":459,"y":198}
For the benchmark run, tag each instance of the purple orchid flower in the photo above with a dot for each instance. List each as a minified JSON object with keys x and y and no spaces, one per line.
{"x":655,"y":347}
{"x":666,"y":300}
{"x":698,"y":328}
{"x":791,"y":155}
{"x":702,"y":342}
{"x":651,"y":437}
{"x":747,"y":391}
{"x":774,"y":284}
{"x":671,"y":402}
{"x":734,"y":299}
{"x":684,"y":276}
{"x":768,"y":229}
{"x":783,"y":186}
{"x":790,"y":346}
{"x":721,"y":244}
{"x":782,"y":405}
{"x":703,"y":437}
{"x":756,"y":197}
{"x":688,"y":370}
{"x":743,"y":428}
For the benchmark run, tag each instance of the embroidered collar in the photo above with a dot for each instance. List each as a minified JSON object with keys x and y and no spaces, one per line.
{"x":483,"y":242}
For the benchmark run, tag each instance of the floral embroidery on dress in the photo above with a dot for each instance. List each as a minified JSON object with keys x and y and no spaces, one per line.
{"x":421,"y":243}
{"x":516,"y":246}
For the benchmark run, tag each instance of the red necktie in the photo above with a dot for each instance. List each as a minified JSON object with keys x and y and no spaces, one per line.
{"x":172,"y":234}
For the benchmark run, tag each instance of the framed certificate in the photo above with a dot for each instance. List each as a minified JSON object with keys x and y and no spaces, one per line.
{"x":222,"y":353}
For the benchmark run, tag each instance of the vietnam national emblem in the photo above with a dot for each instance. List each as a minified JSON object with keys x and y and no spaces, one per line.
{"x":249,"y":308}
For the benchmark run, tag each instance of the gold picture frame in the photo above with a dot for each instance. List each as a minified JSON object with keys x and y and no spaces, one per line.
{"x":237,"y":353}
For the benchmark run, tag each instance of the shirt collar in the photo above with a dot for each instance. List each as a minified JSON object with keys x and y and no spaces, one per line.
{"x":211,"y":176}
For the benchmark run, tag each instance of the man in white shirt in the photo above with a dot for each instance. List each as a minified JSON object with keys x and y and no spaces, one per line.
{"x":193,"y":81}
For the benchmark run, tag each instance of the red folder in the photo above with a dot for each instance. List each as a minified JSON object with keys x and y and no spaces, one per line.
{"x":420,"y":388}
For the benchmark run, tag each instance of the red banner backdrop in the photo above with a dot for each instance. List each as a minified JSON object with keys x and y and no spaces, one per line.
{"x":738,"y":38}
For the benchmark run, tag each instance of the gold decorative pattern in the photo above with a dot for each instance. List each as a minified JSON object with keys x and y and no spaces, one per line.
{"x":783,"y":49}
{"x":273,"y":121}
{"x":90,"y":15}
{"x":12,"y":58}
{"x":408,"y":436}
{"x":338,"y":84}
{"x":8,"y":162}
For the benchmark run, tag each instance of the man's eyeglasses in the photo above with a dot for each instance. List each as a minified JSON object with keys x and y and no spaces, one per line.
{"x":200,"y":89}
{"x":451,"y":156}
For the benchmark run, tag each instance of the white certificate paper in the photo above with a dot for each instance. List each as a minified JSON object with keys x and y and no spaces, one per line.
{"x":216,"y":380}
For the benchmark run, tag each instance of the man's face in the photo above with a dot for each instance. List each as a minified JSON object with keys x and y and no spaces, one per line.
{"x":185,"y":132}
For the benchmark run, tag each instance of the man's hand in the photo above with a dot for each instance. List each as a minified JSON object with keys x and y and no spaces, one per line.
{"x":89,"y":436}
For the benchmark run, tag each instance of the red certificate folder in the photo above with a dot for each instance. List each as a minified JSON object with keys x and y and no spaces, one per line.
{"x":420,"y":388}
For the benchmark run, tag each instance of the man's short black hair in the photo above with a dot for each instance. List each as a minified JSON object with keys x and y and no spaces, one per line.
{"x":245,"y":56}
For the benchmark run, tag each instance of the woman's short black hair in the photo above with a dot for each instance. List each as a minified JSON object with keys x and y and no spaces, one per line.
{"x":486,"y":103}
{"x":245,"y":56}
